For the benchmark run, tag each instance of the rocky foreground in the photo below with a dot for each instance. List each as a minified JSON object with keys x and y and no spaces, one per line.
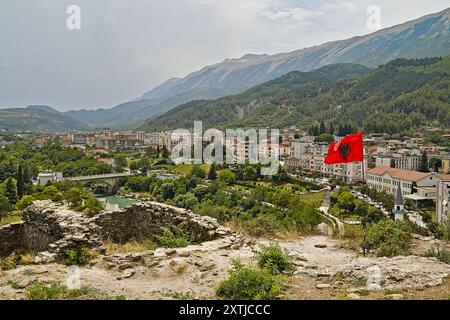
{"x":325,"y":269}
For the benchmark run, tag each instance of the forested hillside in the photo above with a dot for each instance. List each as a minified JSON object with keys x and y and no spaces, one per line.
{"x":401,"y":95}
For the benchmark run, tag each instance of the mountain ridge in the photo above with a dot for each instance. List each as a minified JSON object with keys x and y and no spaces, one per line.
{"x":37,"y":118}
{"x":400,"y":95}
{"x":427,"y":36}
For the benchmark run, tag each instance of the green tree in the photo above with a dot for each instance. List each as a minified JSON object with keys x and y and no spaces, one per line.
{"x":93,"y":205}
{"x":325,"y":137}
{"x":20,"y":182}
{"x":11,"y":191}
{"x":424,"y":162}
{"x":322,"y":128}
{"x":212,"y":175}
{"x":138,"y":184}
{"x":197,"y":171}
{"x":250,"y":173}
{"x":435,"y":163}
{"x":5,"y":206}
{"x":346,"y":201}
{"x":226,"y":176}
{"x":186,"y":201}
{"x":51,"y":193}
{"x":121,"y":160}
{"x":165,"y":153}
{"x":167,"y":190}
{"x":26,"y":201}
{"x":75,"y":197}
{"x":389,"y":238}
{"x":392,"y":163}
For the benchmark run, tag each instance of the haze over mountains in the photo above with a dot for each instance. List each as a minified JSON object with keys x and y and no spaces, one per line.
{"x":428,"y":36}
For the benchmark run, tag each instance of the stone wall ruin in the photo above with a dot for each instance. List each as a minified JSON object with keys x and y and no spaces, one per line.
{"x":51,"y":228}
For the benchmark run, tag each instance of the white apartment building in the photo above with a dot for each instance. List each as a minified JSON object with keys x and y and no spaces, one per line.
{"x":400,"y":161}
{"x":298,"y":148}
{"x":44,"y":177}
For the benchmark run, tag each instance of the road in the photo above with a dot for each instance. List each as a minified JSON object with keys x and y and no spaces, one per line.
{"x":324,"y":210}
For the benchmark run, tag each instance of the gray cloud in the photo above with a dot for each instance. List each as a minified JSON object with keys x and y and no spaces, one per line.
{"x":126,"y":47}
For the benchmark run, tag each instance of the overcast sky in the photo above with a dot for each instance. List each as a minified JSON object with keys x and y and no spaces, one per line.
{"x":126,"y":47}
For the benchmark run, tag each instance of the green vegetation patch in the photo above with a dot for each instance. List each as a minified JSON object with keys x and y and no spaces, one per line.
{"x":251,"y":283}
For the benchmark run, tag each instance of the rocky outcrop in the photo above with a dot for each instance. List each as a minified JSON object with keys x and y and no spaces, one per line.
{"x":51,"y":229}
{"x":397,"y":272}
{"x":147,"y":219}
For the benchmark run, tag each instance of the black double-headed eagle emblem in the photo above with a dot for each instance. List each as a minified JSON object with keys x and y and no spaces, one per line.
{"x":344,"y":150}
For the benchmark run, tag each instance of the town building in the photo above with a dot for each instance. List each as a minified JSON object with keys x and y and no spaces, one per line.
{"x":443,"y":197}
{"x":417,"y":186}
{"x":48,"y":176}
{"x":120,"y":141}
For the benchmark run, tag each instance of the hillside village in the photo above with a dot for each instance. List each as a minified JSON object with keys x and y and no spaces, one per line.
{"x":316,"y":213}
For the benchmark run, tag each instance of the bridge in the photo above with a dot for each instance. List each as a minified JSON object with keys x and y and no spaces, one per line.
{"x":111,"y":179}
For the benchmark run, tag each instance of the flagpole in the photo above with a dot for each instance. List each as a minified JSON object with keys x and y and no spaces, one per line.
{"x":363,"y":170}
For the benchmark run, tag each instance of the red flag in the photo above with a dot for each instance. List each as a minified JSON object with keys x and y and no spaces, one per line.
{"x":349,"y":149}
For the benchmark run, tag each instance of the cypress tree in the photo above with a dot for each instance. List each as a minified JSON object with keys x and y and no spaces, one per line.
{"x":20,"y":182}
{"x":212,"y":175}
{"x":341,"y":131}
{"x":331,"y":128}
{"x":322,"y":129}
{"x":424,"y":162}
{"x":11,"y":191}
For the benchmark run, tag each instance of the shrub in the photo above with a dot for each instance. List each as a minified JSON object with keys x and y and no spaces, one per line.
{"x":93,"y":205}
{"x":187,"y":201}
{"x":51,"y":193}
{"x":54,"y":291}
{"x":38,"y":291}
{"x":389,"y":238}
{"x":167,"y":190}
{"x":9,"y":262}
{"x":79,"y":256}
{"x":275,"y":259}
{"x":174,"y":237}
{"x":197,"y":171}
{"x":226,"y":176}
{"x":15,"y":259}
{"x":25,"y":202}
{"x":262,"y":225}
{"x":441,"y":254}
{"x":250,"y":283}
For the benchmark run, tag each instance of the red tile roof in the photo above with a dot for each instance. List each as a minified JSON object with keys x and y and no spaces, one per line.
{"x":399,"y":174}
{"x":443,"y":176}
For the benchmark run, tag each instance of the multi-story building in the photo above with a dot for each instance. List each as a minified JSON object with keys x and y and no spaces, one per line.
{"x":310,"y":156}
{"x":417,"y":186}
{"x":443,"y":197}
{"x":118,"y":141}
{"x":399,"y":161}
{"x":446,"y":166}
{"x":285,"y":149}
{"x":298,"y":148}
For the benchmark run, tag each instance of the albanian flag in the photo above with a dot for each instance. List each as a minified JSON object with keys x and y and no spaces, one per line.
{"x":349,"y":149}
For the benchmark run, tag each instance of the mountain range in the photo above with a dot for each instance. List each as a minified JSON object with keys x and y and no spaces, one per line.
{"x":399,"y":96}
{"x":428,"y":36}
{"x":37,"y":119}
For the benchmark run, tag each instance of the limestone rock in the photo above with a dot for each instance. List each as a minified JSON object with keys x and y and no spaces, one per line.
{"x":354,"y":296}
{"x":323,"y":286}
